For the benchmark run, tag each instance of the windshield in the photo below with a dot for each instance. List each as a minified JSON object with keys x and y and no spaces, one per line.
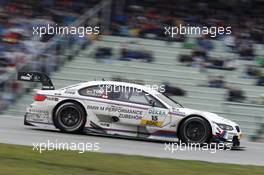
{"x":169,"y":100}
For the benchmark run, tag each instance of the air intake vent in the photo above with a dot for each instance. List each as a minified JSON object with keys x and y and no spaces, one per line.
{"x":237,"y":128}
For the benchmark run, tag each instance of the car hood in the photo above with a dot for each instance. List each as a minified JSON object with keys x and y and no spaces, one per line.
{"x":211,"y":117}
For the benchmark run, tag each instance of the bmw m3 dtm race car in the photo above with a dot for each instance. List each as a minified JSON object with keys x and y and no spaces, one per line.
{"x":123,"y":109}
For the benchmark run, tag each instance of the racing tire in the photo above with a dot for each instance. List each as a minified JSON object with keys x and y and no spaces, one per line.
{"x":195,"y":130}
{"x":70,"y":117}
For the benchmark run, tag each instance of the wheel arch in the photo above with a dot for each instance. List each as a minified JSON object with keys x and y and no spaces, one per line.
{"x":65,"y":101}
{"x":189,"y":116}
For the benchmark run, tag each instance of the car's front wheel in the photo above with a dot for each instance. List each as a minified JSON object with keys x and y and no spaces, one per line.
{"x":70,"y":117}
{"x":195,"y":130}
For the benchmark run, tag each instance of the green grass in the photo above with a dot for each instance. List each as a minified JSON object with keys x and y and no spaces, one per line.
{"x":21,"y":160}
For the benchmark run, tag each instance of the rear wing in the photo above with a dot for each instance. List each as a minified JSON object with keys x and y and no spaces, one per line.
{"x":36,"y":77}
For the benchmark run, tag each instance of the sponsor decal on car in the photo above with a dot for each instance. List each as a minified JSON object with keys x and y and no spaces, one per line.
{"x":40,"y":111}
{"x":48,"y":87}
{"x":156,"y":112}
{"x":27,"y":77}
{"x":52,"y":99}
{"x":105,"y":124}
{"x":37,"y":117}
{"x":70,"y":92}
{"x":177,"y":112}
{"x":151,"y":123}
{"x":116,"y":109}
{"x":130,"y":116}
{"x":96,"y":93}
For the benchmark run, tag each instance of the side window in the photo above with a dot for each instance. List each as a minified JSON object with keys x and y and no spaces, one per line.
{"x":138,"y":97}
{"x":99,"y":91}
{"x":133,"y":95}
{"x":115,"y":92}
{"x":157,"y":102}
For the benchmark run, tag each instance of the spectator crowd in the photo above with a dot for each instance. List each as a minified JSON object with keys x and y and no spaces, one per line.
{"x":147,"y":19}
{"x":20,"y":48}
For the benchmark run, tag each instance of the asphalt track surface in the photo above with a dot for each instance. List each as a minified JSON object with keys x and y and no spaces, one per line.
{"x":12,"y":131}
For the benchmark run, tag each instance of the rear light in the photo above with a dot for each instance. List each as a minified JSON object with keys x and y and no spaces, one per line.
{"x":39,"y":97}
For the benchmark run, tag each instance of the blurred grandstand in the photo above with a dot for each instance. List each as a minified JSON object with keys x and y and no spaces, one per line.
{"x":223,"y":75}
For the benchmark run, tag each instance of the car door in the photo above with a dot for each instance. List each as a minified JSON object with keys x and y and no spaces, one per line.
{"x":157,"y":114}
{"x":136,"y":107}
{"x":123,"y":110}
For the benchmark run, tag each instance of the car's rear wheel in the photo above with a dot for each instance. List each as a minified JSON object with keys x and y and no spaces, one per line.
{"x":195,"y":130}
{"x":70,"y":117}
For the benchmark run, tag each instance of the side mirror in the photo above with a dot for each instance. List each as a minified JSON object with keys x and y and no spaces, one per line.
{"x":152,"y":103}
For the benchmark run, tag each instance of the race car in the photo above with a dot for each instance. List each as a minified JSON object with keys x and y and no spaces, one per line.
{"x":123,"y":109}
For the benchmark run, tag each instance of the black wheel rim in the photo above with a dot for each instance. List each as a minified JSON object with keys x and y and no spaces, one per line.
{"x":69,"y":117}
{"x":195,"y":131}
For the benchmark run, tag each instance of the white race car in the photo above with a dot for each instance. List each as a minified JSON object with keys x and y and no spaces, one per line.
{"x":123,"y":109}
